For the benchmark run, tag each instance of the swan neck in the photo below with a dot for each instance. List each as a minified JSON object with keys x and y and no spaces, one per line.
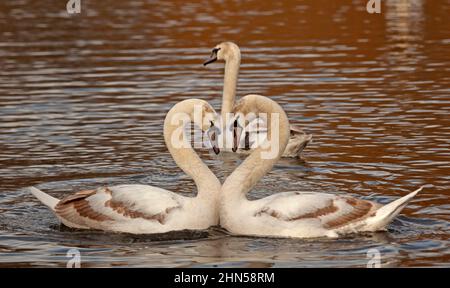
{"x":230,"y":84}
{"x":245,"y":177}
{"x":186,"y":158}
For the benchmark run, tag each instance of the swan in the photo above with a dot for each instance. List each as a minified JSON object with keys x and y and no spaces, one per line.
{"x":230,"y":53}
{"x":293,"y":214}
{"x":143,"y":209}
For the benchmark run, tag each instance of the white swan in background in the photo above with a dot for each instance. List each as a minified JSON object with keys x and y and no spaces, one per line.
{"x":230,"y":53}
{"x":142,"y":209}
{"x":293,"y":214}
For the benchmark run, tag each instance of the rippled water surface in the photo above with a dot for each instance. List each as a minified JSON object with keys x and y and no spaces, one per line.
{"x":83,"y":98}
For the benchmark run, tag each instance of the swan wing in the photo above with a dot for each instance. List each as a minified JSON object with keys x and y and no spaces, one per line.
{"x":333,"y":211}
{"x":94,"y":208}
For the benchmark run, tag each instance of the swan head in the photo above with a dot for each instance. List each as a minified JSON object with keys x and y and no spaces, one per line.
{"x":247,"y":113}
{"x":209,"y":124}
{"x":196,"y":111}
{"x":225,"y":51}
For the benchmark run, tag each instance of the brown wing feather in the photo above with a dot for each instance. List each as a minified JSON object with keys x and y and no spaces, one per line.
{"x":76,"y":209}
{"x":127,"y":212}
{"x":78,"y":195}
{"x":328,"y":209}
{"x":78,"y":202}
{"x":361,"y":210}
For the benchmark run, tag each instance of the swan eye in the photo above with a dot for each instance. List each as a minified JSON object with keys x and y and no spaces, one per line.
{"x":215,"y":50}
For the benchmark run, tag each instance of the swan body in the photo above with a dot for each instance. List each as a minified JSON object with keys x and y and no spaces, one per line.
{"x":296,"y":214}
{"x":230,"y":53}
{"x":142,"y":209}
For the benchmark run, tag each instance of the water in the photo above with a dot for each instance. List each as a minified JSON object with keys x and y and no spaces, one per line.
{"x":83,"y":97}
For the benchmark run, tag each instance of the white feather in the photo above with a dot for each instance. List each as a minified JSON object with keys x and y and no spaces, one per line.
{"x":46,"y":199}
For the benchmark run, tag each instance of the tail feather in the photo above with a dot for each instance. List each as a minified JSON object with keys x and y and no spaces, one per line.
{"x":388,"y":212}
{"x":297,"y":144}
{"x":46,"y":199}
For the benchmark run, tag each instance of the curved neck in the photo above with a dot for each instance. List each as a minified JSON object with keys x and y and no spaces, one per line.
{"x":208,"y":185}
{"x":230,"y":84}
{"x":245,"y":177}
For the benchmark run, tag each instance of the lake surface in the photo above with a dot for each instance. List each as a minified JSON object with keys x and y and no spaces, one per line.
{"x":83,"y":98}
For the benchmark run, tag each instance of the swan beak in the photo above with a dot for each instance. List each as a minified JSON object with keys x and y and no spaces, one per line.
{"x":212,"y":134}
{"x":210,"y":60}
{"x":235,"y":145}
{"x":213,"y":57}
{"x":237,"y":131}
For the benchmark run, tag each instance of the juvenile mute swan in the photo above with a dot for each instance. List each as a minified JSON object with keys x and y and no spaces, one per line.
{"x":230,"y":53}
{"x":293,"y":214}
{"x":142,"y":209}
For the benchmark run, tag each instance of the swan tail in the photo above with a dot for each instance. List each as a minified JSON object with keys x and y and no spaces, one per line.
{"x":388,"y":212}
{"x":46,"y":199}
{"x":297,"y":144}
{"x":306,"y":140}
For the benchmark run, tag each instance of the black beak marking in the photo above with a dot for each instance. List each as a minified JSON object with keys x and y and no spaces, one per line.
{"x":247,"y":141}
{"x":213,"y":139}
{"x":235,"y":141}
{"x":235,"y":138}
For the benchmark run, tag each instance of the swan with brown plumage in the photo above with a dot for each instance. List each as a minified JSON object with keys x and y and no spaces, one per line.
{"x":143,"y":209}
{"x":297,"y":214}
